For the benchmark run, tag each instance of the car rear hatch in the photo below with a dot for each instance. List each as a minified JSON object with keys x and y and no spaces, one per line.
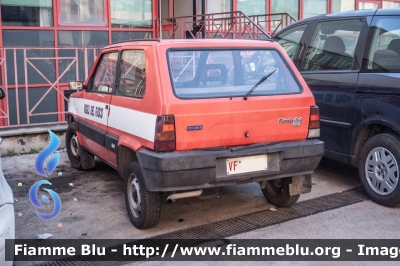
{"x":211,"y":108}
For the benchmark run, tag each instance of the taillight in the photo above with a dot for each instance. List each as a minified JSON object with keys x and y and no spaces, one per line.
{"x":164,"y":139}
{"x":313,"y":128}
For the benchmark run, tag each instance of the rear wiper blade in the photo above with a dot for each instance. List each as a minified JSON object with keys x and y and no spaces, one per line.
{"x":258,"y":83}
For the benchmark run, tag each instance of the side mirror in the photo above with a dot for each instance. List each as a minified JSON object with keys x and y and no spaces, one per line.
{"x":76,"y":85}
{"x":2,"y":93}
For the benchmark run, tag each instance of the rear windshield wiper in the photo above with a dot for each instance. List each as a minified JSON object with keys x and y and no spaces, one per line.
{"x":258,"y":83}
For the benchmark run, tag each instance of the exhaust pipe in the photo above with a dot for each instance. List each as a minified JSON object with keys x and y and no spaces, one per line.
{"x":173,"y":197}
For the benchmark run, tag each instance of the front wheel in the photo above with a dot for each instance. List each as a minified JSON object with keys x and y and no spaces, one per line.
{"x":378,"y":168}
{"x":143,"y":206}
{"x":277,"y":192}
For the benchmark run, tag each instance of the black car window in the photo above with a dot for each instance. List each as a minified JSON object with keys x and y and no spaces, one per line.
{"x":132,"y":78}
{"x":384,"y":48}
{"x":333,"y":45}
{"x":104,"y":77}
{"x":289,"y":40}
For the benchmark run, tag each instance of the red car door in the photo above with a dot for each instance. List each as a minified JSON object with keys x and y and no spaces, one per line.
{"x":95,"y":103}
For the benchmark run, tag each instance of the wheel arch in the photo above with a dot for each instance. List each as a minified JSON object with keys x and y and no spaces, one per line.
{"x":125,"y":156}
{"x":70,"y":118}
{"x":366,"y":131}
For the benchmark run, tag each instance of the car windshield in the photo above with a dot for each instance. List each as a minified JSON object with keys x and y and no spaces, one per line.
{"x":229,"y":73}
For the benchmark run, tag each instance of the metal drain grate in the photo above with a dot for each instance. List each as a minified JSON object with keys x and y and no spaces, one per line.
{"x":245,"y":223}
{"x":248,"y":222}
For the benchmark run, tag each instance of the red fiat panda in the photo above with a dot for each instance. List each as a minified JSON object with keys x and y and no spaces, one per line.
{"x":181,"y":116}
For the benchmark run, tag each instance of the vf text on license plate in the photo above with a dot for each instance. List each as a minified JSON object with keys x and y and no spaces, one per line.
{"x":246,"y":164}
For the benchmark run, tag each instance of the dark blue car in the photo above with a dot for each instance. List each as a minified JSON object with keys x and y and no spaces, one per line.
{"x":351,"y":62}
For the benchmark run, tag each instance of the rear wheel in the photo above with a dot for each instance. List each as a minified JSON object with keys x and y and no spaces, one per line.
{"x":143,"y":206}
{"x":379,"y":169}
{"x":73,"y":147}
{"x":277,"y":192}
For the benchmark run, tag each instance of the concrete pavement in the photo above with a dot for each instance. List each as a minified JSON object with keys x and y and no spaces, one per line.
{"x":365,"y":220}
{"x":99,"y":211}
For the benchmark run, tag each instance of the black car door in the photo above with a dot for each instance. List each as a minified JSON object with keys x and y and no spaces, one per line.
{"x":330,"y":67}
{"x":378,"y":87}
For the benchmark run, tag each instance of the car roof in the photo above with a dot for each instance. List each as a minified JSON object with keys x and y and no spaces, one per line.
{"x":354,"y":13}
{"x":388,"y":12}
{"x":346,"y":14}
{"x":186,"y":41}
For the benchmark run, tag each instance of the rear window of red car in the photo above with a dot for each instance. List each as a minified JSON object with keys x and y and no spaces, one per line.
{"x":229,"y":73}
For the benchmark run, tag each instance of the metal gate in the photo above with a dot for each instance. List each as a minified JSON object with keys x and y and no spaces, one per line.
{"x":35,"y":80}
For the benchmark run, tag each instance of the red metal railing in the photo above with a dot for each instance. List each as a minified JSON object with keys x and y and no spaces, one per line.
{"x":30,"y":74}
{"x":272,"y":23}
{"x":228,"y":25}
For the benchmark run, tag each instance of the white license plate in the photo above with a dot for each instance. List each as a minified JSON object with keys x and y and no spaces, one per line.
{"x":246,"y":164}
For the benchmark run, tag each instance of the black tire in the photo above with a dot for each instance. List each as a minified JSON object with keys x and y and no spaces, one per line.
{"x":378,"y":168}
{"x":143,"y":206}
{"x":277,"y":192}
{"x":73,"y":147}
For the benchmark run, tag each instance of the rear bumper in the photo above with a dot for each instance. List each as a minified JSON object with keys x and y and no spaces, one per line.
{"x":197,"y":169}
